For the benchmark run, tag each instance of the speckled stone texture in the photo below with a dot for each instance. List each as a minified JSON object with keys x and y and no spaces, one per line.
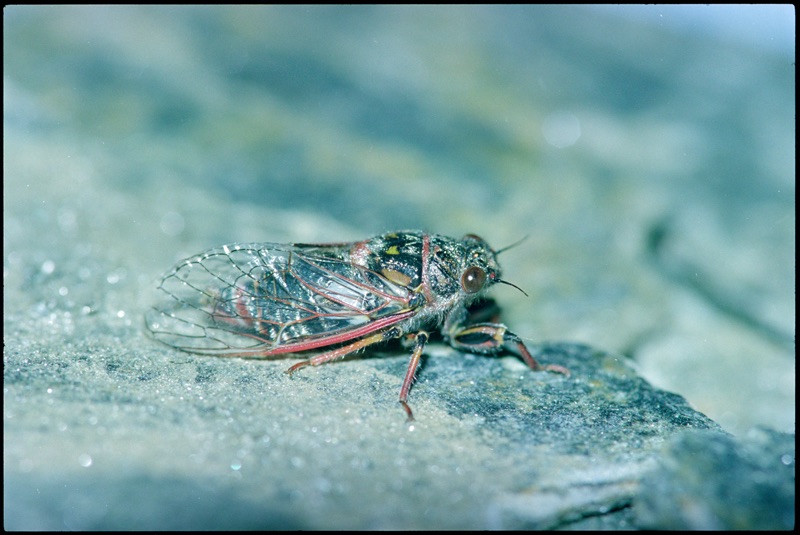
{"x":652,"y":171}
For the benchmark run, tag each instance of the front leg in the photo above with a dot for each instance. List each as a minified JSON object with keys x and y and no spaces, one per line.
{"x":493,"y":338}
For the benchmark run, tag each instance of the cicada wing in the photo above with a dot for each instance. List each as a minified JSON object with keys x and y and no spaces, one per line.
{"x":184,"y":317}
{"x":264,"y":299}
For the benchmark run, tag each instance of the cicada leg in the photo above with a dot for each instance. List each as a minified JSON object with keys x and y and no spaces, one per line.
{"x":343,"y":351}
{"x":420,"y":339}
{"x":493,"y":338}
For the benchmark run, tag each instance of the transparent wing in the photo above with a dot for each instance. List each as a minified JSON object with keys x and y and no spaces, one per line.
{"x":263,"y":299}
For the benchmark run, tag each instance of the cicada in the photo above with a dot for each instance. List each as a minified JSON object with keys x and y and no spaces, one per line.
{"x":269,"y":299}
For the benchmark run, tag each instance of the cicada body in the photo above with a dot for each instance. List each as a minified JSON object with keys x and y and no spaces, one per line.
{"x":266,"y":299}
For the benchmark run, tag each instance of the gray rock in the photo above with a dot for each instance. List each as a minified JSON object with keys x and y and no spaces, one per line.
{"x":138,"y":135}
{"x":711,"y":481}
{"x":99,"y":438}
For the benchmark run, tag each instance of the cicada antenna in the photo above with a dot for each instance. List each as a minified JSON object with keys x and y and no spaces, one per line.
{"x":507,"y":247}
{"x":501,"y":281}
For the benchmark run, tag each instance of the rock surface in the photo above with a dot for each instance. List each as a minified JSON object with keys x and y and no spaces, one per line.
{"x":653,"y":173}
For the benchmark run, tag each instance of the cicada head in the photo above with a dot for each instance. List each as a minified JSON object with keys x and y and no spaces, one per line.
{"x":480,"y":268}
{"x":461,"y":270}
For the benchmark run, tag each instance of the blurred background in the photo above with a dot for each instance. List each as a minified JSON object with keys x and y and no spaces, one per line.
{"x":646,"y":152}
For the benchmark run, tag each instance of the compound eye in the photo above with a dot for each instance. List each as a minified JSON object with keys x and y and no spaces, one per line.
{"x":473,"y":279}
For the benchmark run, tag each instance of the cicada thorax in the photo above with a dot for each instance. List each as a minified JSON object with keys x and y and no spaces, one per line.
{"x":438,"y":267}
{"x":397,"y":257}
